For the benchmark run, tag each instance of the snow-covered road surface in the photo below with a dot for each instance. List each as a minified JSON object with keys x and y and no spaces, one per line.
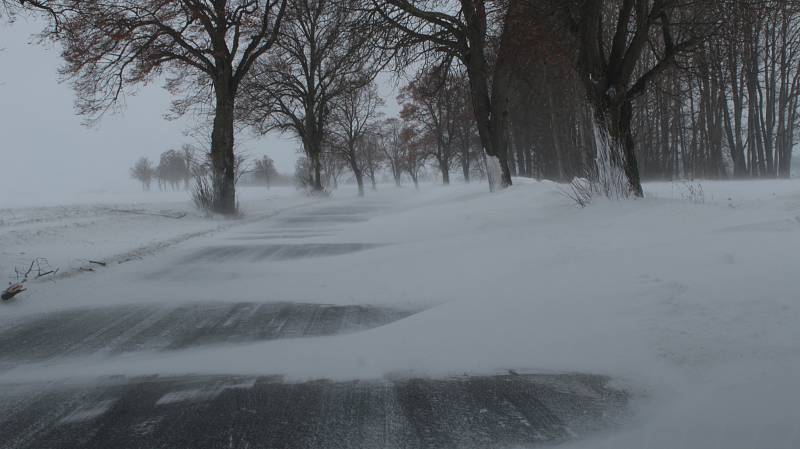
{"x":61,"y":387}
{"x":686,"y":302}
{"x":129,"y":328}
{"x":265,"y":412}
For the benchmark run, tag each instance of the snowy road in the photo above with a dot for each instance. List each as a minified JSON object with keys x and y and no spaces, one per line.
{"x":441,"y":318}
{"x":264,"y":412}
{"x":115,"y":330}
{"x":100,"y":370}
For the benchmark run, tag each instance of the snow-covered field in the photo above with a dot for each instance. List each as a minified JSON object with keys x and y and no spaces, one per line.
{"x":688,"y":298}
{"x":70,"y":231}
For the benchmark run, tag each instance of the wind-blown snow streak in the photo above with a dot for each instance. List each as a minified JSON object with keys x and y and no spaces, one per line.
{"x":611,"y":179}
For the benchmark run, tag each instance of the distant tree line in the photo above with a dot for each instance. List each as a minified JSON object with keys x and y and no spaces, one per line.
{"x":174,"y":170}
{"x":178,"y":169}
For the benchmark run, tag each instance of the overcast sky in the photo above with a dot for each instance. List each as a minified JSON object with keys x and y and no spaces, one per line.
{"x":44,"y":148}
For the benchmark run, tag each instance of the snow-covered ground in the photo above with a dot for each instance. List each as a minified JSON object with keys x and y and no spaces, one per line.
{"x":688,"y":298}
{"x":110,"y":227}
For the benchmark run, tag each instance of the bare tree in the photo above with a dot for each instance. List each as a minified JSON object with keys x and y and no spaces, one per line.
{"x":10,"y":8}
{"x":192,"y":160}
{"x":431,"y":102}
{"x":393,"y":147}
{"x":623,"y":46}
{"x":173,"y":169}
{"x":206,"y":46}
{"x":265,"y":170}
{"x":353,"y":117}
{"x":324,"y":52}
{"x":371,"y":155}
{"x":470,"y":31}
{"x":143,"y":171}
{"x":415,"y":151}
{"x":465,"y":132}
{"x":333,"y":167}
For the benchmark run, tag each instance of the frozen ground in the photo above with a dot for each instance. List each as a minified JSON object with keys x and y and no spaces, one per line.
{"x":688,"y":300}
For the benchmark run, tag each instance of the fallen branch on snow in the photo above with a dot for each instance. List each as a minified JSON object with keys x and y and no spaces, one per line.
{"x":12,"y":291}
{"x":42,"y":269}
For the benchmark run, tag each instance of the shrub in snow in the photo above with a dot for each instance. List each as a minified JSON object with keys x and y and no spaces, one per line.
{"x":580,"y":192}
{"x":203,"y":193}
{"x":693,"y":192}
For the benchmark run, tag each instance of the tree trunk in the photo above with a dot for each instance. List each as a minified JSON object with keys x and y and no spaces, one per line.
{"x":312,"y":144}
{"x":631,"y":165}
{"x":491,"y":127}
{"x":397,"y":175}
{"x":499,"y":125}
{"x":512,"y":163}
{"x":445,"y":173}
{"x":359,"y":179}
{"x":464,"y":151}
{"x":522,"y":162}
{"x":222,"y":158}
{"x":372,"y":178}
{"x":735,"y":130}
{"x":316,"y":166}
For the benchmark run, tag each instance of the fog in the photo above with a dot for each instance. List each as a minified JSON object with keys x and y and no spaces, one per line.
{"x":45,"y":149}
